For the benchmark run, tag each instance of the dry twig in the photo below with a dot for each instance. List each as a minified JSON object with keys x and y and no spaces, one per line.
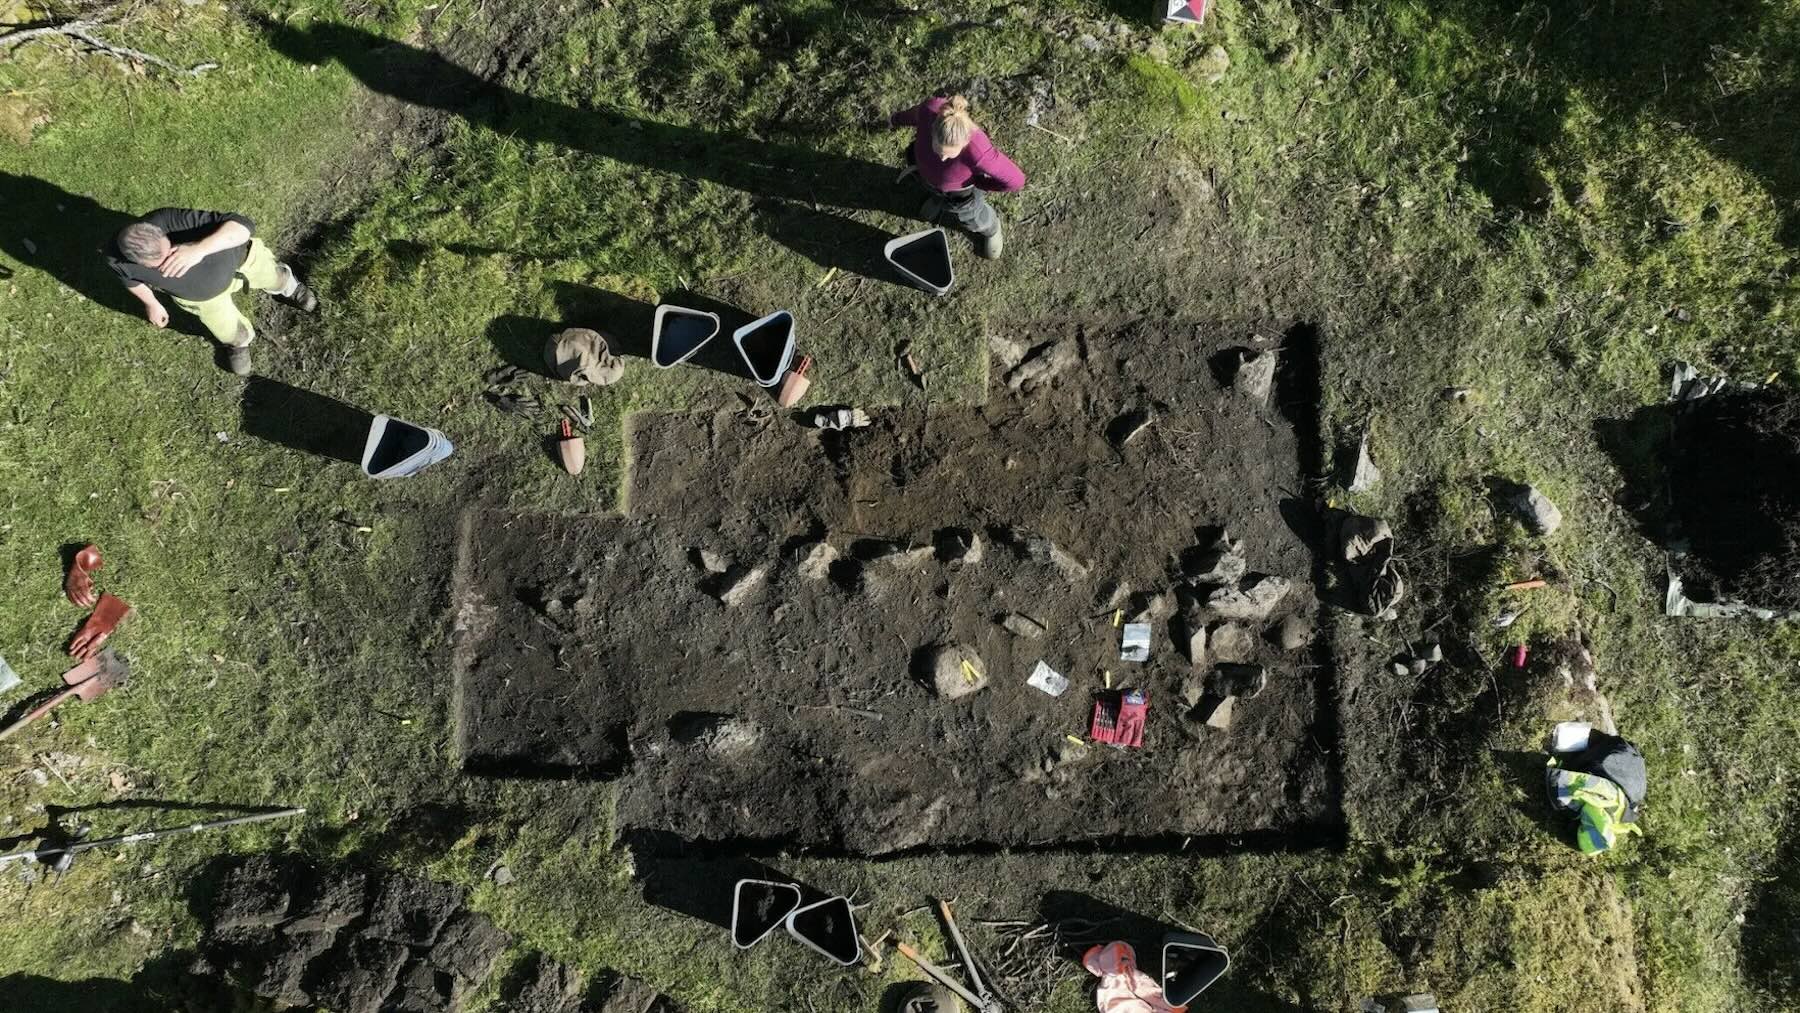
{"x":82,"y":30}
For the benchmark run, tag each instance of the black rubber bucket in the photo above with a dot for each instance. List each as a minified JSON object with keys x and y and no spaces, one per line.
{"x":678,"y":333}
{"x":767,"y":346}
{"x":828,"y":927}
{"x":924,"y":258}
{"x":757,"y":907}
{"x":1191,"y":962}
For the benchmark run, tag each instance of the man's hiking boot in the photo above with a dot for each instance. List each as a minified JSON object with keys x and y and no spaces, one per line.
{"x":237,"y":359}
{"x":990,"y":245}
{"x":299,"y":295}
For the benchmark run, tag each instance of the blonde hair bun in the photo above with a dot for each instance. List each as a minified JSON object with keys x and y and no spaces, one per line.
{"x":953,"y":125}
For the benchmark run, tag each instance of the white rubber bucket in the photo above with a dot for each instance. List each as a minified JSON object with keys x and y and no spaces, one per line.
{"x":397,"y":449}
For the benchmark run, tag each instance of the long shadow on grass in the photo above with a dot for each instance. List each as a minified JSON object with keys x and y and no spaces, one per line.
{"x":795,"y":179}
{"x":164,"y":984}
{"x":67,"y":236}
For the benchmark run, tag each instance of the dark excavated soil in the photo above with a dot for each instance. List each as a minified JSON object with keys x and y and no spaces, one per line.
{"x":599,"y":646}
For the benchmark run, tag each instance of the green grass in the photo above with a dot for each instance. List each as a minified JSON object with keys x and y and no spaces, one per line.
{"x":1456,"y":197}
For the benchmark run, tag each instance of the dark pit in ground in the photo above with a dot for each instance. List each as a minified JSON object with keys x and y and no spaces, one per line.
{"x":743,"y":689}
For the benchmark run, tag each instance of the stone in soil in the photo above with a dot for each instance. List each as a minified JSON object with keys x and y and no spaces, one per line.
{"x":815,"y":561}
{"x":1219,"y":563}
{"x":1231,"y":642}
{"x":712,"y":562}
{"x":958,"y":546}
{"x":949,"y":679}
{"x":1007,"y":352}
{"x":1293,"y":633}
{"x":1255,"y":375}
{"x":739,"y":584}
{"x":1193,"y":639}
{"x":1213,"y":64}
{"x":1040,"y":549}
{"x":1218,"y":714}
{"x":1541,"y":516}
{"x":1044,"y":363}
{"x":1238,"y":680}
{"x":908,"y":557}
{"x":1022,"y":625}
{"x":1252,"y":600}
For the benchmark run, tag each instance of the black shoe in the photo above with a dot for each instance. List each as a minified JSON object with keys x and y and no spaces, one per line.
{"x":302,"y":298}
{"x":237,"y":359}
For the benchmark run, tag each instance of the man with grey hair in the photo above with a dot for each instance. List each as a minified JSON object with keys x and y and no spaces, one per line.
{"x":200,"y":258}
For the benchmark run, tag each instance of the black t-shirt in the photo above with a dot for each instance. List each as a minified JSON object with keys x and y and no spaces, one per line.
{"x":204,"y":280}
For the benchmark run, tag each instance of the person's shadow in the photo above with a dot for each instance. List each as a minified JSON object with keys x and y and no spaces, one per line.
{"x":68,"y":236}
{"x":792,"y":183}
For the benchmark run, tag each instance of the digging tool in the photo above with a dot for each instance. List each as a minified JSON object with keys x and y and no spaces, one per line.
{"x":78,"y":584}
{"x":571,"y":450}
{"x":980,"y":999}
{"x":793,"y":386}
{"x":66,"y":855}
{"x":90,"y":680}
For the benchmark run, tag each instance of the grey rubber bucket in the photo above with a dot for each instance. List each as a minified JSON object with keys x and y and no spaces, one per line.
{"x":759,"y":907}
{"x":828,"y":928}
{"x":679,"y":332}
{"x":924,"y":259}
{"x":397,"y":449}
{"x":767,"y":346}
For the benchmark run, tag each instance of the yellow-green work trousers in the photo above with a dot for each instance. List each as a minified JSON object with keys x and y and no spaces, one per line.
{"x":220,"y":314}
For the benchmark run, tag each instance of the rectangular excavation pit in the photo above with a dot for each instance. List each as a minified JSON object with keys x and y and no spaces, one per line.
{"x":745,"y":686}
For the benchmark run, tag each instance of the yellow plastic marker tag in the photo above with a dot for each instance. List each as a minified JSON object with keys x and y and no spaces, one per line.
{"x":1118,"y":617}
{"x":969,"y":673}
{"x":1108,"y":678}
{"x":1075,"y":740}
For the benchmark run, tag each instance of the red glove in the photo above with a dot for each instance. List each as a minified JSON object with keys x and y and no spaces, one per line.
{"x":1119,"y":719}
{"x":78,"y":584}
{"x":99,"y":625}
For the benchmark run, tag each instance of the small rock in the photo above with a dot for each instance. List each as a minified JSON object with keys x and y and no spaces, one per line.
{"x":1399,"y":668}
{"x":1540,"y":515}
{"x":1231,"y":643}
{"x":1434,"y":653}
{"x":30,"y":247}
{"x":1417,"y":666}
{"x":1285,"y":55}
{"x":1021,"y":625}
{"x":947,"y":675}
{"x":711,"y":561}
{"x":1293,"y":633}
{"x":909,"y":557}
{"x":815,"y":562}
{"x":958,"y":546}
{"x":1150,"y":608}
{"x":733,"y":737}
{"x":1089,"y":43}
{"x":1193,"y":690}
{"x":1213,"y":64}
{"x":1219,"y":715}
{"x":1239,"y":680}
{"x":1043,"y":364}
{"x":738,"y":589}
{"x":1043,"y":550}
{"x":1222,"y":563}
{"x":1255,"y":376}
{"x":1067,"y":752}
{"x":1251,"y":600}
{"x":1194,"y":640}
{"x":1116,"y":596}
{"x":1007,"y":352}
{"x":502,"y":876}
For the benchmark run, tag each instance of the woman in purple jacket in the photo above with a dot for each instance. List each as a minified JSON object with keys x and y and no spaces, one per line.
{"x":955,"y":161}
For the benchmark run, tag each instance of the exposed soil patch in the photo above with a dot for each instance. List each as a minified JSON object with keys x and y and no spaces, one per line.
{"x":1735,"y":488}
{"x":771,"y":646}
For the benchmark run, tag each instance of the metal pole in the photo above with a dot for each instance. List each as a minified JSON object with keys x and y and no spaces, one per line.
{"x":149,"y":835}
